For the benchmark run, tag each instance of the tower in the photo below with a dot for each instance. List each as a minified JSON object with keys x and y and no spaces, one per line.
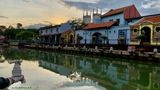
{"x":86,"y":17}
{"x":97,"y":15}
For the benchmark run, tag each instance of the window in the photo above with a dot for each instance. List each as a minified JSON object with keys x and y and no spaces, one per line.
{"x":109,"y":31}
{"x":111,"y":20}
{"x":56,"y":29}
{"x":122,"y":33}
{"x":118,"y":21}
{"x":135,"y":30}
{"x":114,"y":31}
{"x":157,"y":29}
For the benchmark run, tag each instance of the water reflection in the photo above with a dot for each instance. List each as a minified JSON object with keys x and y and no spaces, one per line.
{"x":109,"y":73}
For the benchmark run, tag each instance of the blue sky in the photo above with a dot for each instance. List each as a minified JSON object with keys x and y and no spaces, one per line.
{"x":57,"y":11}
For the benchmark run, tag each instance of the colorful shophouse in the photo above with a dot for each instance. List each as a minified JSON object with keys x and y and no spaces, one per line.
{"x":57,"y":34}
{"x":111,"y":28}
{"x":147,"y":29}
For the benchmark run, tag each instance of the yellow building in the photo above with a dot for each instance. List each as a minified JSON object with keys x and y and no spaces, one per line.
{"x":146,"y":31}
{"x":68,"y":37}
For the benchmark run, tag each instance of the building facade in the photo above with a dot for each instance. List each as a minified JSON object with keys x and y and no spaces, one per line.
{"x":110,"y":28}
{"x":122,"y":26}
{"x":147,"y":29}
{"x":54,"y":34}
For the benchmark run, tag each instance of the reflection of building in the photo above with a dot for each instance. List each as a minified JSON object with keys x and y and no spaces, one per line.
{"x":155,"y":80}
{"x":110,"y":74}
{"x":60,"y":69}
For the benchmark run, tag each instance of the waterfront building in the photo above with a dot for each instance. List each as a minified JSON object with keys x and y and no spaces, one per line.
{"x":121,"y":26}
{"x":147,"y":29}
{"x":67,"y":37}
{"x":53,"y":34}
{"x":111,"y":28}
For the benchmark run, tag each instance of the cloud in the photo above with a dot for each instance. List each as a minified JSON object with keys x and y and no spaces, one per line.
{"x":27,"y":0}
{"x":84,"y":1}
{"x":91,"y":4}
{"x":151,"y":4}
{"x":3,"y":17}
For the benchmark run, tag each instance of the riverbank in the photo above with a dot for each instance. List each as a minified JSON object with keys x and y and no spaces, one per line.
{"x":95,"y":52}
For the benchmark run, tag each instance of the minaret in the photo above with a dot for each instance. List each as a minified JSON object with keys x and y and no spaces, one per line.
{"x":86,"y":17}
{"x":96,"y":16}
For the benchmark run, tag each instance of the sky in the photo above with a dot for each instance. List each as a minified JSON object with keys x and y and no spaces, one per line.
{"x":30,"y":12}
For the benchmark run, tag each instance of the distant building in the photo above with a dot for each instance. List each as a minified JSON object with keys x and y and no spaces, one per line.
{"x":53,"y":34}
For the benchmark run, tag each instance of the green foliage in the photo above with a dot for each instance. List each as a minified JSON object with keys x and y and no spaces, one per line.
{"x":20,"y":34}
{"x":79,"y":37}
{"x":1,"y":32}
{"x":11,"y":33}
{"x":77,"y":24}
{"x":141,"y":37}
{"x":16,"y":54}
{"x":25,"y":35}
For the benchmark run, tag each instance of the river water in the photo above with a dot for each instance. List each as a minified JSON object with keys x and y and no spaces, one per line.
{"x":56,"y":71}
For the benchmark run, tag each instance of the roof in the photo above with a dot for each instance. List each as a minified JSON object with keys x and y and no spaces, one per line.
{"x":49,"y":27}
{"x":100,"y":25}
{"x":68,"y":31}
{"x":129,"y":12}
{"x":152,"y":19}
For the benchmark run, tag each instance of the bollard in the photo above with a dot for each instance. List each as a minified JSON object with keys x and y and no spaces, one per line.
{"x":155,"y":50}
{"x":110,"y":49}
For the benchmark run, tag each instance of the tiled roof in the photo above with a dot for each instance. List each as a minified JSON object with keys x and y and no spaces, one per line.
{"x":152,"y":19}
{"x":100,"y":25}
{"x":68,"y":31}
{"x":129,"y":12}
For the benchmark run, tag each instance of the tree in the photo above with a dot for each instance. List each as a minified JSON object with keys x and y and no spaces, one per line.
{"x":11,"y":33}
{"x":19,"y":25}
{"x":79,"y":38}
{"x":141,"y":38}
{"x":77,"y":24}
{"x":25,"y":35}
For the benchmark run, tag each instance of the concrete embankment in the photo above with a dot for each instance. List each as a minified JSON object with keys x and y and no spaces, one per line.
{"x":95,"y":52}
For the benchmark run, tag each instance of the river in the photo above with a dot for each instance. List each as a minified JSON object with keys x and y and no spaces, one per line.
{"x":56,"y":71}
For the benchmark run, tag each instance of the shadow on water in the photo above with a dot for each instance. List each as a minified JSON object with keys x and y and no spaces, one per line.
{"x":110,"y":73}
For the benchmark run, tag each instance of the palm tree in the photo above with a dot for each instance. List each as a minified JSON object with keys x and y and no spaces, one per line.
{"x":141,"y":38}
{"x":79,"y":38}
